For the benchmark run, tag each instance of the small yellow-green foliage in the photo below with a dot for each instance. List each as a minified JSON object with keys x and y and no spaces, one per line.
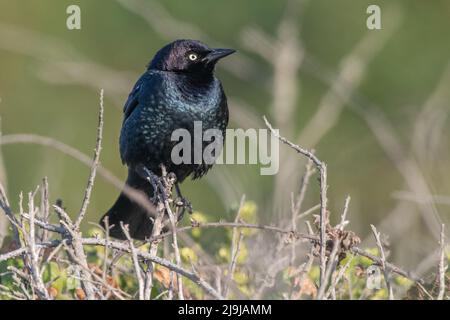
{"x":356,"y":274}
{"x":314,"y":273}
{"x":248,"y":214}
{"x":366,"y":262}
{"x":224,"y":254}
{"x":95,"y":233}
{"x":241,"y":278}
{"x":188,"y":255}
{"x":243,"y":253}
{"x":56,"y":277}
{"x":201,"y":218}
{"x":402,"y":281}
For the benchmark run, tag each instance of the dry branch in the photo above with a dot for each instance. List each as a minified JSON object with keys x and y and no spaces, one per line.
{"x":95,"y":163}
{"x":442,"y":267}
{"x":322,"y":168}
{"x":387,"y":277}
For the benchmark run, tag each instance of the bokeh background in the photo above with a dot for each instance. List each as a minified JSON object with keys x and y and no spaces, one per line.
{"x":374,"y":104}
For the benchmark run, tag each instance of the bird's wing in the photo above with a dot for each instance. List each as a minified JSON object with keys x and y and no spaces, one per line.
{"x":132,"y":101}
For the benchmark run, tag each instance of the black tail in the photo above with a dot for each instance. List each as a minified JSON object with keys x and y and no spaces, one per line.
{"x":129,"y":212}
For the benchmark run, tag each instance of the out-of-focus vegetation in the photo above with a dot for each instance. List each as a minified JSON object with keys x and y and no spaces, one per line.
{"x":50,"y":77}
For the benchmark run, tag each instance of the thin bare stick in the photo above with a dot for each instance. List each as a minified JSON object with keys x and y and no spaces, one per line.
{"x":105,"y":261}
{"x":304,"y":270}
{"x":332,"y":261}
{"x":95,"y":163}
{"x":52,"y":255}
{"x":45,"y":206}
{"x":81,"y":265}
{"x":338,"y":278}
{"x":310,"y":155}
{"x":156,"y":231}
{"x":383,"y":261}
{"x":308,"y":212}
{"x":297,"y":205}
{"x":34,"y":257}
{"x":173,"y":223}
{"x":232,"y":268}
{"x":344,"y":221}
{"x":442,"y":267}
{"x":389,"y":266}
{"x":321,"y":166}
{"x":171,"y":282}
{"x":137,"y":267}
{"x":4,"y":204}
{"x":195,"y":224}
{"x":323,"y":217}
{"x":234,"y":245}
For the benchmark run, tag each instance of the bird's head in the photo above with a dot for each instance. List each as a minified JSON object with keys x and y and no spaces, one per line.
{"x":188,"y":56}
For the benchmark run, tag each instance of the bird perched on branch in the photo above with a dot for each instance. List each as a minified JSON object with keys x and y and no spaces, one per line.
{"x":177,"y":89}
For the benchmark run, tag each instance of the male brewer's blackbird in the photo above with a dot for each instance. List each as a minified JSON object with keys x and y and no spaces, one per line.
{"x":178,"y":88}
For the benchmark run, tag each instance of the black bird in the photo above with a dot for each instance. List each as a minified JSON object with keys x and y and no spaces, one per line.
{"x":178,"y":88}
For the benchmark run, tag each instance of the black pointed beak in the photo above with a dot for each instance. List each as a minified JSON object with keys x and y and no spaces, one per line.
{"x":217,"y":54}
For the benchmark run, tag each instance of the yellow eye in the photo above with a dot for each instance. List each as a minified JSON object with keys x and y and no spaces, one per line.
{"x":193,"y":57}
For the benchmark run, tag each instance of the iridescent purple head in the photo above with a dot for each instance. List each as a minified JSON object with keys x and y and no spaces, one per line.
{"x":190,"y":56}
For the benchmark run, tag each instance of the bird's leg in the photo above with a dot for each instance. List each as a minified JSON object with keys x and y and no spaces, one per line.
{"x":182,"y":202}
{"x":168,"y":180}
{"x":153,"y":179}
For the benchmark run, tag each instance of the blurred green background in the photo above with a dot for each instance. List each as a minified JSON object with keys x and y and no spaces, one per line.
{"x":50,"y":79}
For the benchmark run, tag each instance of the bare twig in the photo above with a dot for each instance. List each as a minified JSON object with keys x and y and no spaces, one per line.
{"x":391,"y":267}
{"x":105,"y":262}
{"x":156,"y":231}
{"x":80,"y":259}
{"x":137,"y":267}
{"x":338,"y":278}
{"x":232,"y":267}
{"x":442,"y":267}
{"x":45,"y":206}
{"x":4,"y":204}
{"x":34,"y":260}
{"x":173,"y":223}
{"x":297,"y":205}
{"x":383,"y":262}
{"x":308,"y":211}
{"x":332,"y":261}
{"x":321,"y":166}
{"x":95,"y":163}
{"x":235,"y":245}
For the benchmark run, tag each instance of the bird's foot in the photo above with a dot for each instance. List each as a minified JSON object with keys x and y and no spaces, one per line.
{"x":181,"y":201}
{"x":184,"y":203}
{"x":154,"y":180}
